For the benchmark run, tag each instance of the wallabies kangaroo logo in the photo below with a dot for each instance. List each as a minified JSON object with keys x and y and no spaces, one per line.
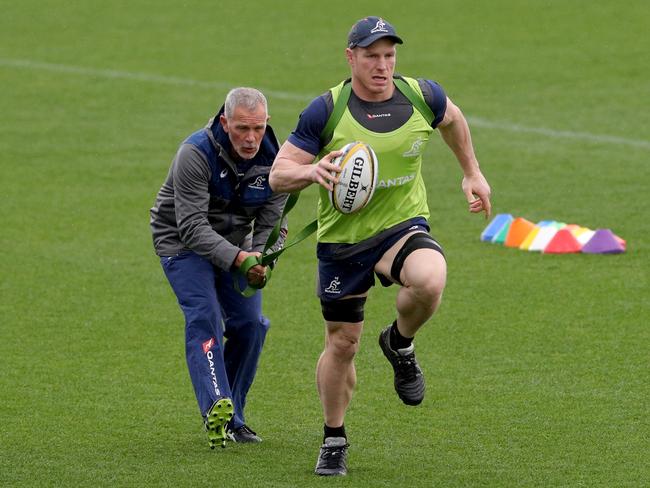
{"x":334,"y":286}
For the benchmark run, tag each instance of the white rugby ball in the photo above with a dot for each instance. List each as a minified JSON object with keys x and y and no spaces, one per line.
{"x":357,"y":180}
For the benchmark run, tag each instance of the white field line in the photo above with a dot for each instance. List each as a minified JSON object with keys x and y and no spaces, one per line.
{"x":552,"y":133}
{"x":134,"y":76}
{"x":282,"y":95}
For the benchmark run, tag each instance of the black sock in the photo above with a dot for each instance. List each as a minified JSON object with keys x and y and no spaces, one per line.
{"x":333,"y":431}
{"x":397,"y":340}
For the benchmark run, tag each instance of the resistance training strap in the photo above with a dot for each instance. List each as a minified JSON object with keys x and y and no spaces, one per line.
{"x":417,"y":101}
{"x":337,"y":112}
{"x":269,"y":258}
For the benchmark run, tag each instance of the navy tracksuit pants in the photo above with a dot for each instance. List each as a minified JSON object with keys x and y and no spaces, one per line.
{"x":214,"y":310}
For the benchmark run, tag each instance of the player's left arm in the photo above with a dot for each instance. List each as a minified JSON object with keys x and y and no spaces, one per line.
{"x":455,"y":132}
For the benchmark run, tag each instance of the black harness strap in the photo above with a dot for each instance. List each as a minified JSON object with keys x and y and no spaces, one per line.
{"x":419,"y":240}
{"x":345,"y":310}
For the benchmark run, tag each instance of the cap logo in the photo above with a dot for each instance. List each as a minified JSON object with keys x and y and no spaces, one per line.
{"x":380,"y":27}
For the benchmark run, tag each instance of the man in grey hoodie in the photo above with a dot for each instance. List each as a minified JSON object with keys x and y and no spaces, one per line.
{"x":215,"y":209}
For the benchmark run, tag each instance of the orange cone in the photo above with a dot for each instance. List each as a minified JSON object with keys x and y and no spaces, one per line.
{"x":519,"y":230}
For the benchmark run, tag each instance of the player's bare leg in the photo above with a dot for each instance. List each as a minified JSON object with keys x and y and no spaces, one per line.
{"x":423,"y":277}
{"x":335,"y":378}
{"x":335,"y":372}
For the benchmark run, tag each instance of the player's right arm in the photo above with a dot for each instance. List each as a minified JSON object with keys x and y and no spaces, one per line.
{"x":292,"y":169}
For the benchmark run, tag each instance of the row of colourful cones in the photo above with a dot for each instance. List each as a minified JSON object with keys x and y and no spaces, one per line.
{"x":550,"y":236}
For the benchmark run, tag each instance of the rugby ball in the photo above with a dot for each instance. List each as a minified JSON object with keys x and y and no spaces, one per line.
{"x":357,"y":179}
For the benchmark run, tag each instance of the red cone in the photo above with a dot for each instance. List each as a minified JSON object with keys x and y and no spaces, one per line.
{"x":563,"y":242}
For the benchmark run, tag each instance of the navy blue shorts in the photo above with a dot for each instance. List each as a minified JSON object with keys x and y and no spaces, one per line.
{"x":348,"y":269}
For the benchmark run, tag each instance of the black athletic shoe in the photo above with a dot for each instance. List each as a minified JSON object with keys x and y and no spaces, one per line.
{"x":243,"y":435}
{"x":409,"y":380}
{"x":332,"y":459}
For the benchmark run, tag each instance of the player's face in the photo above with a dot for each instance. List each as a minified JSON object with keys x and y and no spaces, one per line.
{"x":245,"y":130}
{"x":372,"y":69}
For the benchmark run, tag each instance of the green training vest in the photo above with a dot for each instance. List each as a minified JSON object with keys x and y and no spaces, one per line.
{"x":400,"y":193}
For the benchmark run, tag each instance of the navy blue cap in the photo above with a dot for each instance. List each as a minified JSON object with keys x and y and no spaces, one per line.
{"x":368,"y":30}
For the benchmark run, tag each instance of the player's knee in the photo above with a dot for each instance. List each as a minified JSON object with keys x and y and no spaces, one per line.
{"x":432,"y":284}
{"x":427,"y":288}
{"x":342,"y":345}
{"x":431,"y":292}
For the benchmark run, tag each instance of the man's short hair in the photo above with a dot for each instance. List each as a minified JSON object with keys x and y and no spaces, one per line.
{"x":248,"y":98}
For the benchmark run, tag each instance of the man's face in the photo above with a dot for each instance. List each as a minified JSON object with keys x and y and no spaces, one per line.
{"x":245,"y":130}
{"x":372,"y":68}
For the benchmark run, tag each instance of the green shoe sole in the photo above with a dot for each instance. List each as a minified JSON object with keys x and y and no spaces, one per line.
{"x":215,"y":423}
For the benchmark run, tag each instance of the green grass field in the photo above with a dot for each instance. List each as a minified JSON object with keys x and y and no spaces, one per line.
{"x":537,"y":366}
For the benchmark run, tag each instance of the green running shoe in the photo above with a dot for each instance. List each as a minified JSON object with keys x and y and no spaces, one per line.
{"x":216,"y":420}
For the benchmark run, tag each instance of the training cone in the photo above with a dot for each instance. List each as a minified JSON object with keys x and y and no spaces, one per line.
{"x":604,"y":242}
{"x":519,"y":230}
{"x":493,"y":228}
{"x":543,"y":237}
{"x":563,"y":242}
{"x":500,"y":238}
{"x":621,"y":241}
{"x":585,"y":237}
{"x":578,"y":231}
{"x":574,"y":228}
{"x":525,"y":245}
